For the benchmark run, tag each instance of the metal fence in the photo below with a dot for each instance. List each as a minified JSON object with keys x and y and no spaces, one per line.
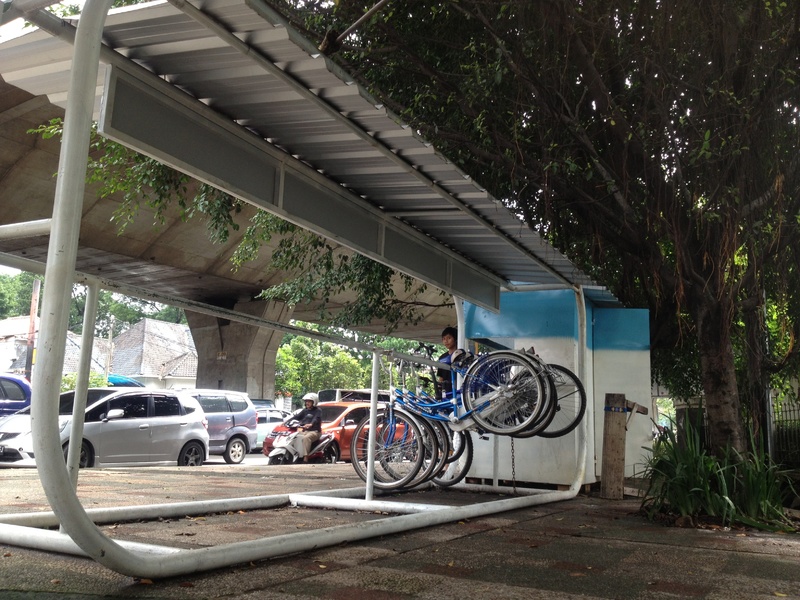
{"x":786,"y":433}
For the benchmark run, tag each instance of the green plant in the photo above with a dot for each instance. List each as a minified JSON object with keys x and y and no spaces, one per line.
{"x":68,"y":380}
{"x":685,"y":480}
{"x":761,"y":490}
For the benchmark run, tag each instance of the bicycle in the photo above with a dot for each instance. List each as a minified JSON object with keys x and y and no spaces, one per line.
{"x":511,"y":393}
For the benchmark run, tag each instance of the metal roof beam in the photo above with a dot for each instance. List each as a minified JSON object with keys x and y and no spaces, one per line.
{"x":175,"y":129}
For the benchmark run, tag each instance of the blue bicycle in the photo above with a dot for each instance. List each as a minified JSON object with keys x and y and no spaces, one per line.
{"x":503,"y":392}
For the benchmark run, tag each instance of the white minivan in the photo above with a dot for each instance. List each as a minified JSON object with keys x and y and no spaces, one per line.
{"x":123,"y":426}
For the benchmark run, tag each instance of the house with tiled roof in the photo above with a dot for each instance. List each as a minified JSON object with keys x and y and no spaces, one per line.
{"x":13,"y":340}
{"x":72,"y":354}
{"x":157,"y":354}
{"x":154,"y":353}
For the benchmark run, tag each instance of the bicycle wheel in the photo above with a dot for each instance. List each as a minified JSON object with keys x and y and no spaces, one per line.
{"x":549,"y":409}
{"x":458,"y":468}
{"x":570,"y":402}
{"x":504,"y":392}
{"x":399,"y":450}
{"x":431,"y":460}
{"x":444,"y":441}
{"x":457,"y":445}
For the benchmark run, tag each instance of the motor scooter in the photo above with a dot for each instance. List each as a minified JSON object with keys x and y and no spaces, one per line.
{"x":284,"y":451}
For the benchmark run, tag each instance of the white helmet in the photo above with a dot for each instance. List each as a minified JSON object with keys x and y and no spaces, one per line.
{"x":313,"y":397}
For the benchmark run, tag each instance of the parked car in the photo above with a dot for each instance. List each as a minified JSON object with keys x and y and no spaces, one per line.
{"x":340,"y":418}
{"x":122,"y":427}
{"x":231,"y":423}
{"x":268,"y":419}
{"x":260,"y":403}
{"x":15,"y":393}
{"x":342,"y":395}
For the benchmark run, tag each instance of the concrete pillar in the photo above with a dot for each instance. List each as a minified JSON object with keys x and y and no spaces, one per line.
{"x":237,"y":356}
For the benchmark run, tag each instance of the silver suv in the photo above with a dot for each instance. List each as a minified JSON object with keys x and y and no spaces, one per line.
{"x":231,"y":422}
{"x":122,"y":427}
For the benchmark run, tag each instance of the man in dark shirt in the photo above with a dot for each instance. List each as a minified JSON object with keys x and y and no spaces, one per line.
{"x":310,"y":427}
{"x":449,"y":341}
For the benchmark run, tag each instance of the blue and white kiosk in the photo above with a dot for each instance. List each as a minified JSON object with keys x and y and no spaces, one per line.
{"x":606,"y":346}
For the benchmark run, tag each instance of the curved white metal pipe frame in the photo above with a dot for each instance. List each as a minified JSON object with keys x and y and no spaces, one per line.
{"x":143,"y":560}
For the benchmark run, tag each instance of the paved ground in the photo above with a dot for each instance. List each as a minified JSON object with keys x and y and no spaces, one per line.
{"x":581,"y":548}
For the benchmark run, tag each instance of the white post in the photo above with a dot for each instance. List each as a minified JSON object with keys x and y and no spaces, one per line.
{"x":82,"y":382}
{"x":373,"y":423}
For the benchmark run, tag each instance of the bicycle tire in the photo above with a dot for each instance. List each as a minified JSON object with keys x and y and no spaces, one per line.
{"x":455,"y":471}
{"x":443,"y":438}
{"x":549,"y":409}
{"x":399,"y":450}
{"x":504,"y":392}
{"x":570,"y":402}
{"x":456,"y":445}
{"x":431,"y":460}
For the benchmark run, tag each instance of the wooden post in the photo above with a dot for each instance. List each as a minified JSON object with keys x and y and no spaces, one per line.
{"x":612,"y":473}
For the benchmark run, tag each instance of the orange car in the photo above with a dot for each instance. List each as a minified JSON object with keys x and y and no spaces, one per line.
{"x":339,"y":418}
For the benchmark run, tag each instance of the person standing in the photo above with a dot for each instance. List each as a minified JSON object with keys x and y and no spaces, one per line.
{"x":443,"y":376}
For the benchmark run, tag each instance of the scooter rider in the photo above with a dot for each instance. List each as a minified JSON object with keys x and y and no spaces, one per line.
{"x":310,"y":427}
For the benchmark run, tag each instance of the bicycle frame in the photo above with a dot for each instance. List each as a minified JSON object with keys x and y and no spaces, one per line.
{"x":449,"y":410}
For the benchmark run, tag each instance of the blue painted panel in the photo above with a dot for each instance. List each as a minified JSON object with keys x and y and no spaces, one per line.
{"x":550,"y":313}
{"x":621,"y":329}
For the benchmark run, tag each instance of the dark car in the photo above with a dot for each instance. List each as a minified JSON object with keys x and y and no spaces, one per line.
{"x":339,"y":418}
{"x":15,"y":393}
{"x":232,"y":423}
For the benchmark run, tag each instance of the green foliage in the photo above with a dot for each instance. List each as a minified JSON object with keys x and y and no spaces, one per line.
{"x":15,"y":294}
{"x":323,"y":272}
{"x":678,"y":369}
{"x":116,"y":312}
{"x":69,"y":380}
{"x":305,"y":365}
{"x":685,"y":480}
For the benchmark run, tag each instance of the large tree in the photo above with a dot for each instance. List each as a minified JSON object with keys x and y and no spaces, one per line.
{"x":653,"y":142}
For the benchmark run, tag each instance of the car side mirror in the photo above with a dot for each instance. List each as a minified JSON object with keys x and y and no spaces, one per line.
{"x":349,"y":422}
{"x":115,"y":413}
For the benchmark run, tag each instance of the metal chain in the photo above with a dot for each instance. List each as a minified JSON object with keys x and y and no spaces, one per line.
{"x":513,"y":467}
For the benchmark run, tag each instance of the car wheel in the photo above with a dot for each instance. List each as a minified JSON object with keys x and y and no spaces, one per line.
{"x":192,"y":455}
{"x":235,"y":451}
{"x":87,"y":455}
{"x":331,"y":454}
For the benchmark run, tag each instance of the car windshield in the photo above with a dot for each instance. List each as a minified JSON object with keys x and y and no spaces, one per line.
{"x":68,"y":398}
{"x":331,"y":413}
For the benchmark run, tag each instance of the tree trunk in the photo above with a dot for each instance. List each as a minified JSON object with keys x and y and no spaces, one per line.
{"x":712,"y":318}
{"x":756,"y":385}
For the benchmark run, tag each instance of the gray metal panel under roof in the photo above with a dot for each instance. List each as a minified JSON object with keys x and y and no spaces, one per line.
{"x":283,"y":90}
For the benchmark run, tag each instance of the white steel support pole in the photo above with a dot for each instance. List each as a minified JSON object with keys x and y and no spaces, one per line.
{"x":61,"y":256}
{"x":82,"y":382}
{"x":373,"y":423}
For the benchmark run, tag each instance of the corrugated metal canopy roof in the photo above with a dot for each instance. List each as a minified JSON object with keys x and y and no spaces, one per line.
{"x":247,"y":65}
